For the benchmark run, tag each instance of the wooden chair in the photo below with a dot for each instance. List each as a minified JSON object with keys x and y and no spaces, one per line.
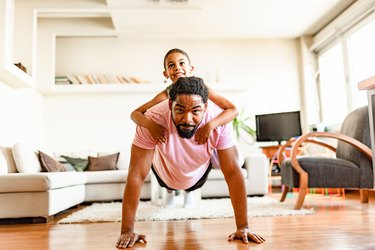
{"x":352,"y":167}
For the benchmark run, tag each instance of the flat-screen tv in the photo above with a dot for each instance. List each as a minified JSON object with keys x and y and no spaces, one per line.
{"x":278,"y":126}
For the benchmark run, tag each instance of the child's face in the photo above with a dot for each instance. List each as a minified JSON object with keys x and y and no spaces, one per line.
{"x":177,"y":65}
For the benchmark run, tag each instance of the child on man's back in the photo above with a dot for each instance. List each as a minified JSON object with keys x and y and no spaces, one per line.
{"x":177,"y":64}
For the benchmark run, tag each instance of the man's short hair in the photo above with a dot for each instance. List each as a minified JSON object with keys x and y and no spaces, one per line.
{"x":189,"y":86}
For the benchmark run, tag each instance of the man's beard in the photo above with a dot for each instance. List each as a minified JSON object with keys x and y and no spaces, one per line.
{"x":186,"y":133}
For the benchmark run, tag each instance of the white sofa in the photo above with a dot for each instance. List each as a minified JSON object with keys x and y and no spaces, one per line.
{"x":255,"y":172}
{"x":30,"y":193}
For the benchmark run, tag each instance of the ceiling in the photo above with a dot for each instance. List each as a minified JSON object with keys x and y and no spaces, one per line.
{"x":212,"y":19}
{"x":224,"y":18}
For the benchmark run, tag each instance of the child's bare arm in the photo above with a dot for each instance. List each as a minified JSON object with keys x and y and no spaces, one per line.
{"x":229,"y":113}
{"x":140,"y":119}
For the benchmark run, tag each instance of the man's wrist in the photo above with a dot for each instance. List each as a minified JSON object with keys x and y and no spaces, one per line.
{"x":126,"y":230}
{"x":212,"y":124}
{"x":243,"y":226}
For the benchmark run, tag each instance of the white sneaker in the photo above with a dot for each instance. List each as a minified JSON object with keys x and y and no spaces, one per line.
{"x":169,"y":199}
{"x":190,"y":200}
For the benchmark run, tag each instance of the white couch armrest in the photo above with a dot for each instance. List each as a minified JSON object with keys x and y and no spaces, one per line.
{"x":257,"y":171}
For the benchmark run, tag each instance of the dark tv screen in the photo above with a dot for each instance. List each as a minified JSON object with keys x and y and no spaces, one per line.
{"x":278,"y":126}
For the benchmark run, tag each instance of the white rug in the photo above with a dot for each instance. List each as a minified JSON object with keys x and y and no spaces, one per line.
{"x":206,"y":209}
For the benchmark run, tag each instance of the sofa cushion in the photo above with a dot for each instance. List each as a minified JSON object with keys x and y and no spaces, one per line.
{"x":217,"y":174}
{"x":40,"y":182}
{"x":49,"y":164}
{"x":215,"y":159}
{"x":116,"y":176}
{"x":107,"y":162}
{"x":26,"y":158}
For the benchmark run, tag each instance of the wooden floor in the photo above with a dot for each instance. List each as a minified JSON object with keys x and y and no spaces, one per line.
{"x":338,"y":223}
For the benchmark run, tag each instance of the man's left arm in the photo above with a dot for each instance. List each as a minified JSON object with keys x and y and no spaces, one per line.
{"x":237,"y":191}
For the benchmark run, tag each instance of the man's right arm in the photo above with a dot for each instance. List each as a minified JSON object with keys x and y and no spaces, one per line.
{"x":140,"y":164}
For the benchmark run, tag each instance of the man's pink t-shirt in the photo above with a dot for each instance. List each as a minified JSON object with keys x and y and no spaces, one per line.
{"x":181,"y":162}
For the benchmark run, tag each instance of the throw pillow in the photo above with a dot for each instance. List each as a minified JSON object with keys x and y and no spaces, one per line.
{"x":68,"y":166}
{"x":79,"y":164}
{"x":26,"y":158}
{"x":107,"y":162}
{"x":123,"y":159}
{"x":8,"y":155}
{"x":3,"y":164}
{"x":49,"y":164}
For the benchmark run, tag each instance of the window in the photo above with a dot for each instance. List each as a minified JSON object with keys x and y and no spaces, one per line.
{"x":332,"y":85}
{"x":344,"y":59}
{"x":361,"y":60}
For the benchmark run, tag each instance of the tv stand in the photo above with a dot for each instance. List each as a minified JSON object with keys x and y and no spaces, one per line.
{"x":271,"y":152}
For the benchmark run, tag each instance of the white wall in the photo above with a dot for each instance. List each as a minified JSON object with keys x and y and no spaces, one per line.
{"x":93,"y":121}
{"x":89,"y":121}
{"x":21,"y":112}
{"x":267,"y":68}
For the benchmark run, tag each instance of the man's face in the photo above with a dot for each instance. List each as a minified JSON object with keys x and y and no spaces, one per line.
{"x":177,"y":65}
{"x":187,"y":113}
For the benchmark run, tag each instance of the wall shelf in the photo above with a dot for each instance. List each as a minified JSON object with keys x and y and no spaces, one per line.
{"x":9,"y":73}
{"x":107,"y":88}
{"x":15,"y":77}
{"x":116,"y":88}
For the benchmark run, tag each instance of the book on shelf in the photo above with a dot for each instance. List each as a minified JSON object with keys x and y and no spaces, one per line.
{"x":120,"y":79}
{"x":73,"y":79}
{"x":111,"y":79}
{"x":97,"y":79}
{"x":81,"y":79}
{"x":135,"y":79}
{"x":89,"y":79}
{"x":62,"y":80}
{"x":126,"y":79}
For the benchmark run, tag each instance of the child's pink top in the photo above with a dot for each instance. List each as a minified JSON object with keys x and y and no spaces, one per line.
{"x":181,"y":162}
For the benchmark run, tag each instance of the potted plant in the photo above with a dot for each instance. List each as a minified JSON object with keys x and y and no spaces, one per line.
{"x":243,"y":130}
